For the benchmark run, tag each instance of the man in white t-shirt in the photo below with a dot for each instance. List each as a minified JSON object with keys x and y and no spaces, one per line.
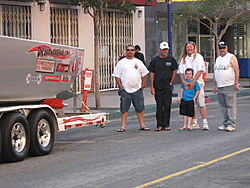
{"x":131,"y":75}
{"x":226,"y":83}
{"x":191,"y":59}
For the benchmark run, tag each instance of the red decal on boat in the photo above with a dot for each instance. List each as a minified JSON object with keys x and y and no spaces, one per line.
{"x":47,"y":51}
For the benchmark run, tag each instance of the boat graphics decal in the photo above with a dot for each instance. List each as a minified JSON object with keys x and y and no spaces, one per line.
{"x":49,"y":52}
{"x":45,"y":66}
{"x":62,"y":67}
{"x":65,"y":78}
{"x":30,"y":78}
{"x":52,"y":78}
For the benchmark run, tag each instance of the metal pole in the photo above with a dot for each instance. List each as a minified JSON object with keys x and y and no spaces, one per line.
{"x":74,"y":98}
{"x":170,"y":26}
{"x":174,"y":94}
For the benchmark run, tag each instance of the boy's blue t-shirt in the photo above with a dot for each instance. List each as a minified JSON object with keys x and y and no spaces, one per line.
{"x":188,"y":95}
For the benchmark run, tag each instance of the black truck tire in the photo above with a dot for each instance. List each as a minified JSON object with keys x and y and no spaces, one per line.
{"x":0,"y":142}
{"x":41,"y":132}
{"x":15,"y":137}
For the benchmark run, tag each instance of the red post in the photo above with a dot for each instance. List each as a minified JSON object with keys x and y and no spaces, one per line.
{"x":86,"y":88}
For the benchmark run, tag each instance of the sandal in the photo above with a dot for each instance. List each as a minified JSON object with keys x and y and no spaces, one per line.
{"x":189,"y":129}
{"x":121,"y":130}
{"x":159,"y":129}
{"x":182,"y":129}
{"x":144,"y":129}
{"x":167,"y":129}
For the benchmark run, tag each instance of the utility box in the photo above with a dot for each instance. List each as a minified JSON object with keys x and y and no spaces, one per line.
{"x":244,"y":64}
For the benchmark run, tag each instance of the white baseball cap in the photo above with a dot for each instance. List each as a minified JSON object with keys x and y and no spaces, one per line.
{"x":164,"y":45}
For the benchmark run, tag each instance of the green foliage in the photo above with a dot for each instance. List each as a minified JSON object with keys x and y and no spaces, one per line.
{"x":216,"y":9}
{"x":123,"y":5}
{"x":217,"y":13}
{"x":88,"y":3}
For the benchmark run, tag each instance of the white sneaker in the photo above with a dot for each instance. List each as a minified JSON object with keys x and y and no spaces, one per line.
{"x":205,"y":127}
{"x":222,"y":128}
{"x":230,"y":128}
{"x":195,"y":126}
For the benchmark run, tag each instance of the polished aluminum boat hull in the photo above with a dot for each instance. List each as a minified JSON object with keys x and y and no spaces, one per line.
{"x":33,"y":70}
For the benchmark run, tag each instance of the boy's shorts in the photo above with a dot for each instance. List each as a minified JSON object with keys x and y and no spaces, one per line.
{"x":187,"y":108}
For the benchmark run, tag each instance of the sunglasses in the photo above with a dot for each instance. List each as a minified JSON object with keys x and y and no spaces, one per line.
{"x":190,"y":42}
{"x":130,"y":50}
{"x":222,"y":47}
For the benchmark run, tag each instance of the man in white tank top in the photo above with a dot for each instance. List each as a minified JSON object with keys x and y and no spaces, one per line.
{"x":226,"y":78}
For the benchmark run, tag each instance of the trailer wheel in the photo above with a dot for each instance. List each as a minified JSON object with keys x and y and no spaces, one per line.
{"x":0,"y":142}
{"x":41,"y":133}
{"x":15,"y":137}
{"x":102,"y":125}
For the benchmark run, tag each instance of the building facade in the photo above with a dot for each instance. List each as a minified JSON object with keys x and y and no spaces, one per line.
{"x":183,"y":30}
{"x":58,"y":22}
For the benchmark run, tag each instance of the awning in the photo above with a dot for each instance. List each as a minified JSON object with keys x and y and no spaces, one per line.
{"x":141,"y":2}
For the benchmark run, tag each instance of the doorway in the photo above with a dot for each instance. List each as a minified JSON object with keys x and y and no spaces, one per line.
{"x":205,"y":46}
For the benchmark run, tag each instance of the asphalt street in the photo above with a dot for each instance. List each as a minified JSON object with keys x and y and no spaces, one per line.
{"x":103,"y":158}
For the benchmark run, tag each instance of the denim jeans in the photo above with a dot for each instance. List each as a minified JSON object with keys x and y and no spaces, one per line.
{"x":228,"y":103}
{"x":136,"y":98}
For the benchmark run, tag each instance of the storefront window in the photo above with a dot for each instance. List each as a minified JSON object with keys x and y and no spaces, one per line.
{"x":179,"y":35}
{"x":192,"y":27}
{"x":162,"y":28}
{"x":203,"y":29}
{"x":247,"y":50}
{"x":193,"y":39}
{"x":240,"y":42}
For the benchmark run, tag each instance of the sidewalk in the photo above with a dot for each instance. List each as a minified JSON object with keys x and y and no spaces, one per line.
{"x":110,"y":101}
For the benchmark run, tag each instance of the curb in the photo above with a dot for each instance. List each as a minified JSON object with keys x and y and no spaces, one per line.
{"x":114,"y":114}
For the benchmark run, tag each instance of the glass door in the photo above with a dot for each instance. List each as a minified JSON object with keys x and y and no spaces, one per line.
{"x":207,"y":51}
{"x":205,"y":46}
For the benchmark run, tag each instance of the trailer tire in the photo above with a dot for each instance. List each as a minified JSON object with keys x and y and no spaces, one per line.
{"x":15,"y":137}
{"x":0,"y":142}
{"x":41,"y":132}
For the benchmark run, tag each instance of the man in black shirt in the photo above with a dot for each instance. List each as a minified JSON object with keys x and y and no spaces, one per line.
{"x":138,"y":54}
{"x":163,"y":70}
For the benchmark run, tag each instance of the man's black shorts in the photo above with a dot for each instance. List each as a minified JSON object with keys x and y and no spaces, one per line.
{"x":187,"y":108}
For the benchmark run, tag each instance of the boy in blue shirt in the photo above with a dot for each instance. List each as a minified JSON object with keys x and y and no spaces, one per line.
{"x":188,"y":98}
